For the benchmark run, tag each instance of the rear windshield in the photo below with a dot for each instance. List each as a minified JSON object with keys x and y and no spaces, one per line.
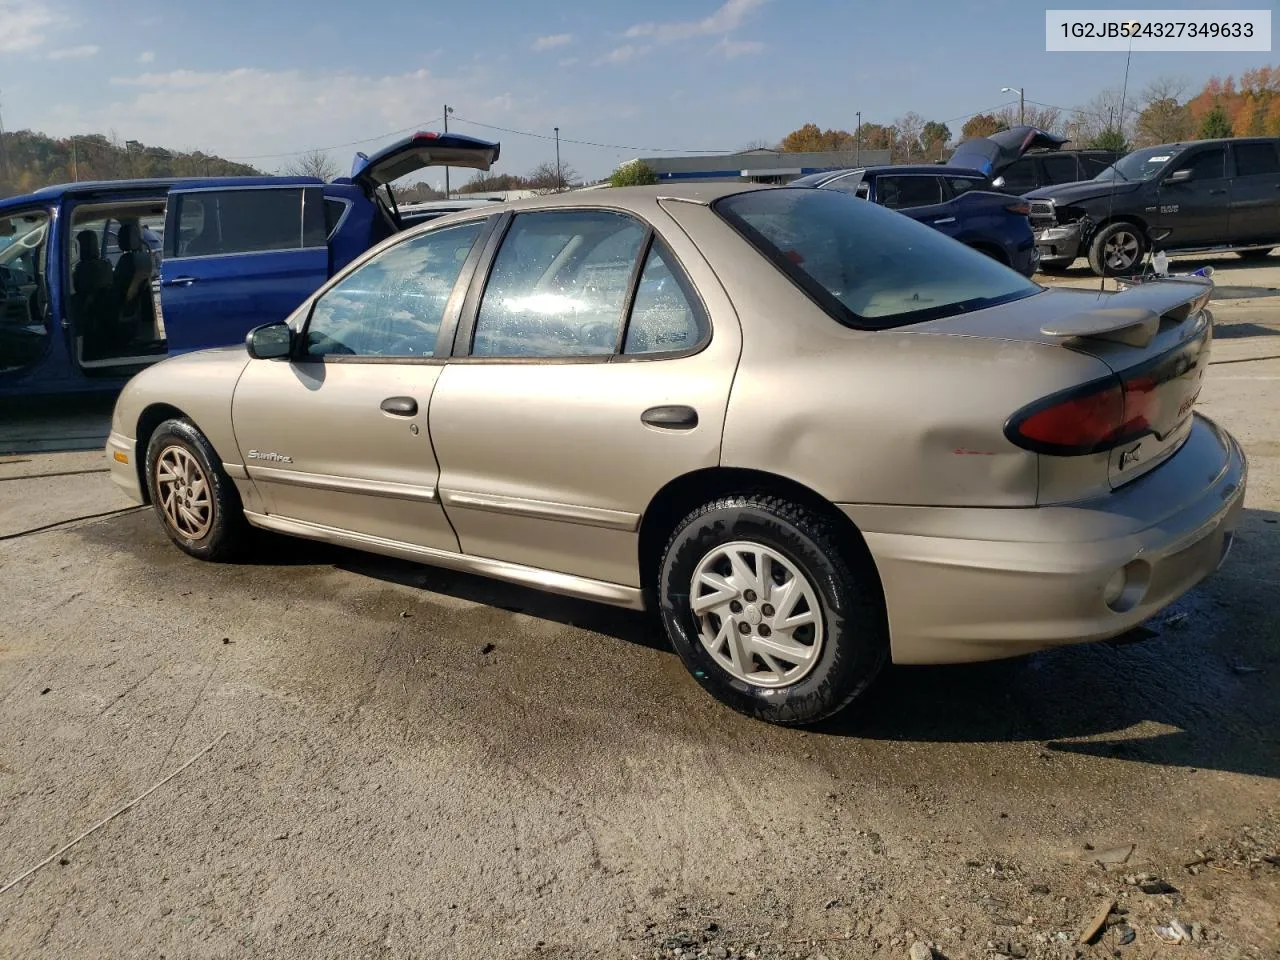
{"x":867,"y":266}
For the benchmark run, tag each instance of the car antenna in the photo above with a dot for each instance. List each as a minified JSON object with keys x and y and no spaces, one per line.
{"x":1124,"y":90}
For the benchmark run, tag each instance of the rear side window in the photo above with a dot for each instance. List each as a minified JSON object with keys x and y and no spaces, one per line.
{"x":1256,"y":159}
{"x":1060,"y":169}
{"x":899,"y":192}
{"x":961,"y":185}
{"x":665,"y":315}
{"x":559,"y":285}
{"x":867,"y":267}
{"x":220,"y":222}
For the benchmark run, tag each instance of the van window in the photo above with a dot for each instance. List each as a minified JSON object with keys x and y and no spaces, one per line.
{"x":1020,"y":175}
{"x":1060,"y":169}
{"x":220,"y":222}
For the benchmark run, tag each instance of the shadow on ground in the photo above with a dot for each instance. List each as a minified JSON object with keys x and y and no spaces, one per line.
{"x":55,"y":424}
{"x":1205,"y":686}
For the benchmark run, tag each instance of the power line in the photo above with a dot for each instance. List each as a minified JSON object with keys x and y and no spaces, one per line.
{"x":350,"y":143}
{"x":585,"y":143}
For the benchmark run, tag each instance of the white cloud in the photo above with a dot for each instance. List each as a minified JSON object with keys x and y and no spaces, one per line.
{"x":728,"y":17}
{"x":568,"y":61}
{"x":628,"y":51}
{"x":23,"y":24}
{"x":146,"y":56}
{"x":249,"y":111}
{"x":736,"y":48}
{"x":552,"y":41}
{"x":74,"y":53}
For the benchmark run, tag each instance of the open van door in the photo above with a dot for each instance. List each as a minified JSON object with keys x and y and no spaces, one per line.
{"x":238,"y":254}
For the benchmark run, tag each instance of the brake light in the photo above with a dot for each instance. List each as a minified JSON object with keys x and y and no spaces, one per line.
{"x":1022,"y":208}
{"x":1081,"y":420}
{"x":426,"y":135}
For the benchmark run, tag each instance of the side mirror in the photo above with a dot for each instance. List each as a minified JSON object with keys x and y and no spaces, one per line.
{"x":1179,"y":176}
{"x":271,"y":341}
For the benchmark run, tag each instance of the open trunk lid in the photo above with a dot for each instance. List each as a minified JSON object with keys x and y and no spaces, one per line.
{"x":991,"y":155}
{"x":1154,"y":338}
{"x":419,"y":151}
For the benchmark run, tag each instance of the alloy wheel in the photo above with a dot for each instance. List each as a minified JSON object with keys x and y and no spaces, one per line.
{"x":757,"y":613}
{"x":184,"y":492}
{"x":1120,"y":252}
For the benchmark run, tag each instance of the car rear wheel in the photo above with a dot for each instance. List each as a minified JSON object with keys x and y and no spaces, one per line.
{"x":769,"y":611}
{"x":196,"y":501}
{"x":1254,"y":254}
{"x":1117,"y":250}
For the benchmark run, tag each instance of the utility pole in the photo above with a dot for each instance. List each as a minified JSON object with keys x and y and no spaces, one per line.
{"x":559,"y":178}
{"x":1022,"y":106}
{"x":447,"y":110}
{"x":858,"y":140}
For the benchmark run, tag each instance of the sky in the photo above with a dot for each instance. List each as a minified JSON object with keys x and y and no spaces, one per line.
{"x":260,"y":80}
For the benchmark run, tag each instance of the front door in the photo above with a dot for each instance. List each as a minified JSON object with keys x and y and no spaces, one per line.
{"x":1197,"y":211}
{"x":589,"y":379}
{"x":338,"y":435}
{"x":1255,"y":192}
{"x":238,"y":257}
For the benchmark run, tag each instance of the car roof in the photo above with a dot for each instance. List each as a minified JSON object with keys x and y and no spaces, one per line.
{"x":920,"y":168}
{"x":57,"y":191}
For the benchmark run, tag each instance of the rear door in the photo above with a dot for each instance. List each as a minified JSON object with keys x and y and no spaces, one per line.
{"x":237,"y":257}
{"x":1255,"y":192}
{"x":920,"y":197}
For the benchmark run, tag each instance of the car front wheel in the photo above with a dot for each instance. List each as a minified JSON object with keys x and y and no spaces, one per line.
{"x":196,"y":501}
{"x":770,"y":611}
{"x":1117,"y":250}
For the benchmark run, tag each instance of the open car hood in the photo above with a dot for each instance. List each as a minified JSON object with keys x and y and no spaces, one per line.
{"x":419,"y":151}
{"x":993,"y":154}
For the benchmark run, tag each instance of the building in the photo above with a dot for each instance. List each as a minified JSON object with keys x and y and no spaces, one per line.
{"x":760,"y":166}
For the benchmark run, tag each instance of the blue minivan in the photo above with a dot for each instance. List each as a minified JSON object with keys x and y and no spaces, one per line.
{"x":100,"y":279}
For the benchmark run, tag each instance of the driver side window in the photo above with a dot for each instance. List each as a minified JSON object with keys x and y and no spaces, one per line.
{"x":393,"y":304}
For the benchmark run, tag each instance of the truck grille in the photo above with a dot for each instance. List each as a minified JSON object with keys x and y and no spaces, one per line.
{"x":1042,"y":215}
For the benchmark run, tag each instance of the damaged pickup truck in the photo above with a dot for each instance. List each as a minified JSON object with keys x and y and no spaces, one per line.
{"x":1210,"y":196}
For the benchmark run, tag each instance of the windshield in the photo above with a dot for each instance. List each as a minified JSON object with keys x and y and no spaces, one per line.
{"x":1139,"y":165}
{"x":867,"y":266}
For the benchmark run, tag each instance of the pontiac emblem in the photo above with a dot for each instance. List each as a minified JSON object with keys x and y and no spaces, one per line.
{"x":1131,"y":456}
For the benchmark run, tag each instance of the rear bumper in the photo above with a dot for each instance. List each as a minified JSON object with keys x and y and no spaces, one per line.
{"x":979,"y":584}
{"x":124,"y":472}
{"x":1059,"y":245}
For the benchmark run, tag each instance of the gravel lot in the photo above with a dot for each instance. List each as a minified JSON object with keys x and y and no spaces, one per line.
{"x":394,"y":761}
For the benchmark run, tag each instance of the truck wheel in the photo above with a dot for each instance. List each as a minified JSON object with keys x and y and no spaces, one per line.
{"x":1117,"y":249}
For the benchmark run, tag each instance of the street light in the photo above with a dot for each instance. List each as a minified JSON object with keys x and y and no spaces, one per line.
{"x":1022,"y":103}
{"x":447,"y":110}
{"x":858,"y":140}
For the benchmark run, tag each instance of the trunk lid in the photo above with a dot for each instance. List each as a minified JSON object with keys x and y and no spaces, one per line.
{"x":1154,"y":338}
{"x":419,"y":151}
{"x":993,"y":154}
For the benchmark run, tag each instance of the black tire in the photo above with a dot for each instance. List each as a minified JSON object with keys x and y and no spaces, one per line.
{"x":856,"y":633}
{"x":1112,"y":232}
{"x":227,"y":532}
{"x":1254,"y":254}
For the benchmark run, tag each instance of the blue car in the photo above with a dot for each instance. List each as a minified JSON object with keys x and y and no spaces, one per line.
{"x":100,"y":279}
{"x":954,"y":200}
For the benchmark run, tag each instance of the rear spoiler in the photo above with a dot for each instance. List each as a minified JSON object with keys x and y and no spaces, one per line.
{"x":1133,"y":316}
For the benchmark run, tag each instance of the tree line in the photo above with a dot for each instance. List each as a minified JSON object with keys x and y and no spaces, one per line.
{"x":30,"y":160}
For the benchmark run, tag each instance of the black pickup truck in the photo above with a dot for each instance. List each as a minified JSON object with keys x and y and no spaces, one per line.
{"x":1209,"y":196}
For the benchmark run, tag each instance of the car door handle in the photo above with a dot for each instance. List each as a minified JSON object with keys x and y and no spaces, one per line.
{"x":400,"y":406}
{"x":674,"y":417}
{"x":179,"y":282}
{"x":946,"y":220}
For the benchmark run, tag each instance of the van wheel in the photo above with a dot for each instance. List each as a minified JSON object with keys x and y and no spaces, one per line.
{"x":769,"y":611}
{"x":198,"y":505}
{"x":1117,"y":250}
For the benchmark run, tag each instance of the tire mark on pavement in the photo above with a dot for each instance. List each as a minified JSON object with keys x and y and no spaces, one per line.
{"x":129,"y":689}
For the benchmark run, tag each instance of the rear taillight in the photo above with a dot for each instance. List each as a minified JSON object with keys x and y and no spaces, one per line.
{"x":1088,"y":419}
{"x":1022,"y":208}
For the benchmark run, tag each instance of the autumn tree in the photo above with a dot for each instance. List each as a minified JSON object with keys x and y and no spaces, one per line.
{"x":1216,"y":124}
{"x":812,"y":138}
{"x":933,"y":137}
{"x":982,"y":125}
